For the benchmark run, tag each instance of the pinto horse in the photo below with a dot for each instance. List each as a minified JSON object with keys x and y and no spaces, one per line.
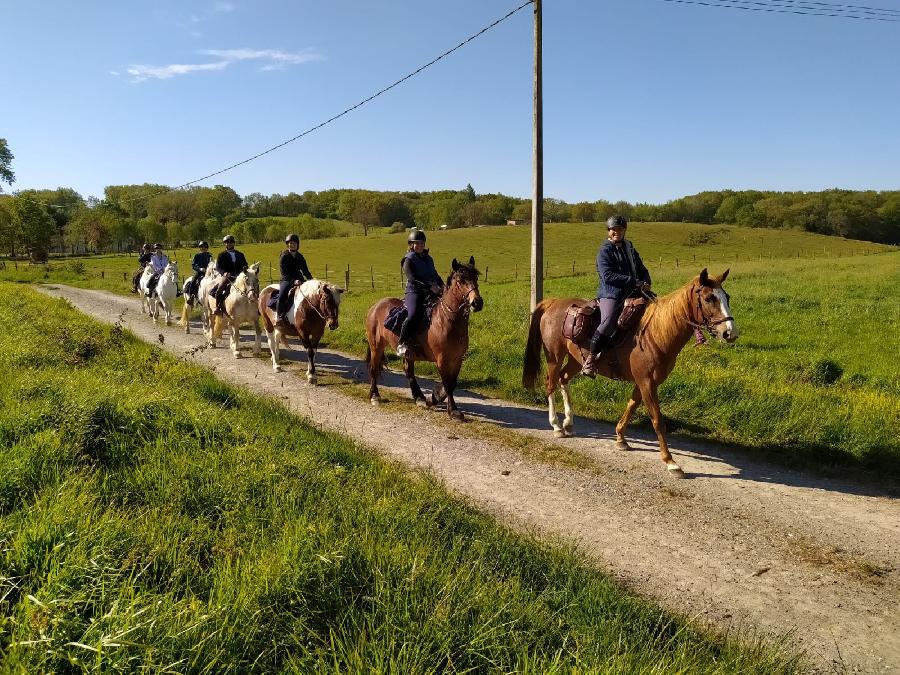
{"x":240,"y":308}
{"x":645,"y":356}
{"x":315,"y":308}
{"x":445,"y":343}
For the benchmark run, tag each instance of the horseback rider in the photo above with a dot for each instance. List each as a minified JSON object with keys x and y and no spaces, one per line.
{"x":294,"y":272}
{"x":229,"y":264}
{"x":158,"y":262}
{"x":422,"y":282}
{"x":199,"y":264}
{"x":143,"y":259}
{"x":622,"y":275}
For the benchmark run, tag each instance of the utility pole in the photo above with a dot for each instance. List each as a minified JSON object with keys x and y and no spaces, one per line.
{"x":537,"y":171}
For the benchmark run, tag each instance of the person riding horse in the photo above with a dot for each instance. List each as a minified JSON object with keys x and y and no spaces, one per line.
{"x":199,"y":264}
{"x":422,"y":282}
{"x":143,"y":259}
{"x":158,"y":262}
{"x":622,"y":275}
{"x":294,"y":271}
{"x":229,"y":264}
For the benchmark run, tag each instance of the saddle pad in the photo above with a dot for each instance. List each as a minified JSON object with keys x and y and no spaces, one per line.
{"x":273,"y":303}
{"x":395,"y":319}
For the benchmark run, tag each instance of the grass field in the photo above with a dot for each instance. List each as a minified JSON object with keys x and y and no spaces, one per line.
{"x":155,"y":519}
{"x":815,"y":375}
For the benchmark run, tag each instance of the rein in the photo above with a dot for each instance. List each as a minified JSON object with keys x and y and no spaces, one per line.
{"x":465,"y":304}
{"x":708,"y":324}
{"x":315,"y":309}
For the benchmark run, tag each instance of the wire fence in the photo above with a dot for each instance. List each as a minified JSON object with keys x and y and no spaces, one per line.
{"x":372,"y":278}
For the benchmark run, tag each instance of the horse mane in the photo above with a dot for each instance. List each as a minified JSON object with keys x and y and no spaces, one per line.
{"x":667,"y":314}
{"x":240,"y":283}
{"x":465,"y":271}
{"x":313,"y":287}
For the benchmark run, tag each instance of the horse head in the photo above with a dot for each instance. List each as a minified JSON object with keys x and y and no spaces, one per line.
{"x":331,"y":300}
{"x":463,"y":281}
{"x":247,"y":282}
{"x":171,"y":271}
{"x":712,"y":309}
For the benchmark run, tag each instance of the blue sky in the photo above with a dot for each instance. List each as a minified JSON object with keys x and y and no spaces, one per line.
{"x":644,"y":100}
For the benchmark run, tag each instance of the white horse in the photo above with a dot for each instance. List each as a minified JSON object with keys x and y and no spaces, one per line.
{"x":166,"y":292}
{"x":240,"y":308}
{"x":143,"y":289}
{"x":210,"y":279}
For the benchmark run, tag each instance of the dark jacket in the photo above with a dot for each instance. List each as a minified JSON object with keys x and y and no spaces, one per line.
{"x":293,"y":267}
{"x":617,"y":278}
{"x":144,"y":259}
{"x":420,"y":272}
{"x":224,"y":265}
{"x":201,"y":261}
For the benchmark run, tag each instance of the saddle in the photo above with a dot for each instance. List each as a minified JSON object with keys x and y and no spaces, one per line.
{"x":273,"y":302}
{"x":395,"y":318}
{"x":580,"y":323}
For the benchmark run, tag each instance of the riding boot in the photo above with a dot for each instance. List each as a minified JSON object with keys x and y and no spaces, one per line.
{"x":407,"y":336}
{"x":282,"y":322}
{"x":598,"y":344}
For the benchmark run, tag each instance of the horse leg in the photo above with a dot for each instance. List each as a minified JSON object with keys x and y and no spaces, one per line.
{"x":257,"y":344}
{"x":273,"y":337}
{"x":311,"y":377}
{"x":633,"y":403}
{"x":168,"y":309}
{"x":449,"y":379}
{"x":186,"y":317}
{"x":438,"y":394}
{"x":409,"y":368}
{"x":375,"y":354}
{"x":572,"y":368}
{"x":550,"y":388}
{"x":236,"y":339}
{"x":651,"y":400}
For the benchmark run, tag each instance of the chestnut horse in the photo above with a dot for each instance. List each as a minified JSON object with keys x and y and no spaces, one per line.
{"x":445,"y":343}
{"x":315,"y":307}
{"x":645,"y":355}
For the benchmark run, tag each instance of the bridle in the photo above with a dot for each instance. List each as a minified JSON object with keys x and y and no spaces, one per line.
{"x":465,"y":304}
{"x":312,"y":304}
{"x":708,"y":324}
{"x":249,"y":291}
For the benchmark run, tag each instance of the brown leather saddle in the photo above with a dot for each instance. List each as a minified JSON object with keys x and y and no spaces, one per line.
{"x":582,"y":320}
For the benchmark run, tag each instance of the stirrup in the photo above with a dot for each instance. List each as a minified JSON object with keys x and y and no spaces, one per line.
{"x":402,"y":349}
{"x":587,"y":366}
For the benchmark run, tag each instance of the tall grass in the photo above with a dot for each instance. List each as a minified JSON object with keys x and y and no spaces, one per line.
{"x":814,"y":376}
{"x":153,"y":518}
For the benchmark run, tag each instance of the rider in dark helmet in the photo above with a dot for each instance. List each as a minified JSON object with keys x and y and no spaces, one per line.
{"x":294,"y":272}
{"x":622,"y":275}
{"x":229,"y":264}
{"x":422,"y":281}
{"x":158,"y":262}
{"x":199,"y":264}
{"x":143,"y":259}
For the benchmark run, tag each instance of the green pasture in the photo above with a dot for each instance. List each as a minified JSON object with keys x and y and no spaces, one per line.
{"x":154,"y":519}
{"x":815,"y":375}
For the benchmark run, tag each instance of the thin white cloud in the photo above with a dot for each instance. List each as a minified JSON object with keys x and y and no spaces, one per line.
{"x":224,"y":7}
{"x":276,"y":59}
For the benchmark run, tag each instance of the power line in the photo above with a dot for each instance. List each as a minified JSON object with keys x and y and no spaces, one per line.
{"x":787,"y":9}
{"x":877,"y":10}
{"x":340,"y":114}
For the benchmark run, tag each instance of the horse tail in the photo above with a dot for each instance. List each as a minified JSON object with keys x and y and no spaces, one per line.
{"x":368,"y":353}
{"x":532,"y":364}
{"x":185,"y":311}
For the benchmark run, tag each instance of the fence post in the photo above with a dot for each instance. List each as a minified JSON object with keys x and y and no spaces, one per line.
{"x":517,"y":272}
{"x":102,"y":274}
{"x":270,"y":272}
{"x":347,"y":277}
{"x":573,"y":268}
{"x":326,"y":271}
{"x":372,"y":275}
{"x":676,"y":263}
{"x":547,"y":270}
{"x":486,"y":268}
{"x":124,"y":276}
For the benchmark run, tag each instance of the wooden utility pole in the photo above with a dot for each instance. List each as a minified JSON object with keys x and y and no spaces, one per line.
{"x":537,"y":171}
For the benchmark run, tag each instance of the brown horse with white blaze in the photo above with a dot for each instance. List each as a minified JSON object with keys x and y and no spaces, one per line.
{"x":645,"y":355}
{"x":445,"y":343}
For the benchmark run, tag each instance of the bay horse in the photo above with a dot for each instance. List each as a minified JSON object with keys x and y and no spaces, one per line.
{"x":445,"y":343}
{"x":240,"y":307}
{"x":315,"y":308}
{"x":645,"y":355}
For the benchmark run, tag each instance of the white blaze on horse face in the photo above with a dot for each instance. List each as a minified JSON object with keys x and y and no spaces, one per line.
{"x":727,"y":330}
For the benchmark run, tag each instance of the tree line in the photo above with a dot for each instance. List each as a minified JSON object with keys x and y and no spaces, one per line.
{"x":37,"y":222}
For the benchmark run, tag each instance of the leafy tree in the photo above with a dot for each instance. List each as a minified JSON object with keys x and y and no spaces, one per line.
{"x":33,"y":223}
{"x":6,"y":157}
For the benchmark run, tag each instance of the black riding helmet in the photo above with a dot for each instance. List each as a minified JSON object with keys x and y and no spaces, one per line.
{"x":415,"y":235}
{"x":616,"y":221}
{"x":202,"y":244}
{"x":145,"y":247}
{"x":157,"y":246}
{"x":228,"y":238}
{"x":292,"y":237}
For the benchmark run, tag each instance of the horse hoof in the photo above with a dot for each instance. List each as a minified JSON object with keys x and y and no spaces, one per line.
{"x":375,"y":400}
{"x":422,"y":403}
{"x":312,"y":380}
{"x":559,"y":433}
{"x":237,"y":355}
{"x":569,"y":430}
{"x":457,"y":415}
{"x":675,"y":471}
{"x":277,"y":369}
{"x":622,"y":445}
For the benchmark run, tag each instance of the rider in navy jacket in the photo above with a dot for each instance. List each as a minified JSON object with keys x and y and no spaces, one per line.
{"x":229,"y":264}
{"x":422,"y":280}
{"x":143,"y":259}
{"x":199,"y":264}
{"x":294,"y":271}
{"x":622,"y":274}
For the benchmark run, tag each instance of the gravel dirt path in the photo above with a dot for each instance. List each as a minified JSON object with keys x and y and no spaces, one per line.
{"x":740,"y":544}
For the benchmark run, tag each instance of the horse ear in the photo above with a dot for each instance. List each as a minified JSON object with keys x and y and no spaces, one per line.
{"x":722,"y":277}
{"x":454,"y":265}
{"x":471,"y":261}
{"x":704,"y":278}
